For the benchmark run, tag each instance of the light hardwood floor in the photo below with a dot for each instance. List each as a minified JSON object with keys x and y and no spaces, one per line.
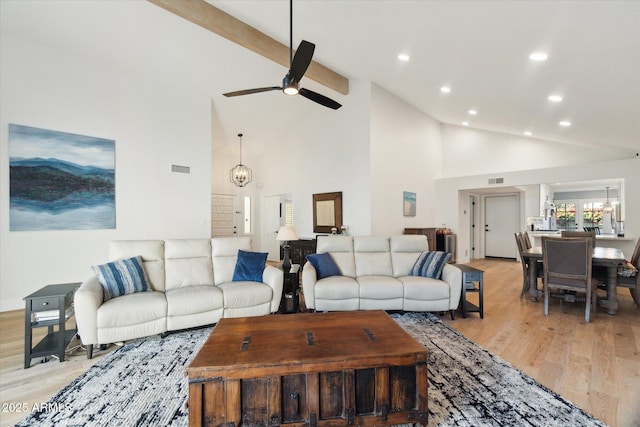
{"x":595,"y":365}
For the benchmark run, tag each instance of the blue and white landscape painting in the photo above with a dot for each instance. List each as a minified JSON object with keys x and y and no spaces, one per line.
{"x":60,"y":181}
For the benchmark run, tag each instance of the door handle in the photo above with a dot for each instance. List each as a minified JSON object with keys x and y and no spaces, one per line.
{"x":485,"y":227}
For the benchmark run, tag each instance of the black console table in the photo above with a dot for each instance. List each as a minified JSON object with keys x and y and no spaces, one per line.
{"x":49,"y":306}
{"x":299,"y":249}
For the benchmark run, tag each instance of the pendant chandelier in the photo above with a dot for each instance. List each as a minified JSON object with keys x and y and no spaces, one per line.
{"x":607,"y":205}
{"x":240,"y":175}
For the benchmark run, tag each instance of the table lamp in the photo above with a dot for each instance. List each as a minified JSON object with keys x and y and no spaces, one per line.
{"x":286,"y":234}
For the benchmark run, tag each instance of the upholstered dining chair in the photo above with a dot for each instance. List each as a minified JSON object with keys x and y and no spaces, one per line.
{"x":628,"y":276}
{"x":525,"y":279}
{"x":599,"y":271}
{"x":523,"y":242}
{"x":592,"y":234}
{"x":567,"y":266}
{"x":632,"y":281}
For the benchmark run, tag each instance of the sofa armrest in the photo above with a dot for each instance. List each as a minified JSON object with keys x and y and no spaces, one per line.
{"x":453,"y":276}
{"x":309,"y":279}
{"x":87,"y":300}
{"x":274,"y":277}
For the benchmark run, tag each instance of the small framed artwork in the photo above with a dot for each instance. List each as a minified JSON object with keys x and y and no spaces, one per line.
{"x":409,"y":203}
{"x":327,"y":212}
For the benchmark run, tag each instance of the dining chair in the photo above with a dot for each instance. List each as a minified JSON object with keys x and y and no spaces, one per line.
{"x":632,"y":281}
{"x":598,"y":271}
{"x":592,"y":234}
{"x":523,"y":242}
{"x":628,"y":276}
{"x":525,"y":275}
{"x":596,"y":229}
{"x":567,"y":266}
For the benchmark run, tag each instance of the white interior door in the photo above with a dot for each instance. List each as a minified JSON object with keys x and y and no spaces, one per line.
{"x":501,"y":221}
{"x":223,"y":215}
{"x":271,"y":225}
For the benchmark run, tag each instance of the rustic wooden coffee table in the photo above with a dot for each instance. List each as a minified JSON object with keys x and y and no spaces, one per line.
{"x":310,"y":369}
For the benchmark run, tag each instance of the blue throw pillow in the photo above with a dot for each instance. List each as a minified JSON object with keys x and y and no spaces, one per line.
{"x":430,"y":264}
{"x":249,"y":266}
{"x":125,"y":276}
{"x":325,"y":265}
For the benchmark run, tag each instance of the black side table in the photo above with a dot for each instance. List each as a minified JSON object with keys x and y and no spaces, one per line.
{"x":49,"y":306}
{"x":472,"y":281}
{"x":290,"y":289}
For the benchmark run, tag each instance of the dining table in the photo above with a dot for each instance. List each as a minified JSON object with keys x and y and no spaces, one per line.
{"x":610,"y":258}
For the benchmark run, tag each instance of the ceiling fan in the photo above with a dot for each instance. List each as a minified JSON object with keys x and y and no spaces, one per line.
{"x":298,"y":65}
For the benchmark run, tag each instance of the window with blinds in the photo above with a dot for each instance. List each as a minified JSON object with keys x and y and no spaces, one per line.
{"x":288,"y":213}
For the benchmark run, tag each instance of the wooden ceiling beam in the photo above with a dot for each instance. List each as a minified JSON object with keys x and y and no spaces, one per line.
{"x":217,"y":21}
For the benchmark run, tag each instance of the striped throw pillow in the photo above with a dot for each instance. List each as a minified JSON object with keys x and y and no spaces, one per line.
{"x":430,"y":264}
{"x":125,"y":276}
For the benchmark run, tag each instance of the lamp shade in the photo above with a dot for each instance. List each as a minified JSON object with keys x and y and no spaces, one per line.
{"x":286,"y":234}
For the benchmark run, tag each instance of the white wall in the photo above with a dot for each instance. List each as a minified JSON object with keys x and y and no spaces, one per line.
{"x":372,"y":151}
{"x":155,"y":124}
{"x":405,"y":156}
{"x":468,"y":151}
{"x":320,"y":152}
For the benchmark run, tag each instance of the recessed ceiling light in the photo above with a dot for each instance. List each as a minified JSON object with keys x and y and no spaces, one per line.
{"x":554,"y":98}
{"x":403,"y":57}
{"x":538,"y":56}
{"x":473,"y":112}
{"x":445,"y":89}
{"x":565,"y":123}
{"x":465,"y":123}
{"x":528,"y":133}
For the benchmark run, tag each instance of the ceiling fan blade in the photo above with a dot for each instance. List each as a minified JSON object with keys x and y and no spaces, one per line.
{"x":301,"y":60}
{"x":250,"y":91}
{"x":320,"y":99}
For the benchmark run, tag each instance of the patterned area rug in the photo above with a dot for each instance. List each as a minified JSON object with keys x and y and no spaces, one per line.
{"x":143,"y":384}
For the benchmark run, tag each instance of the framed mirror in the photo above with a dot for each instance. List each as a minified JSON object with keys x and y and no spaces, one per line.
{"x":327,"y":212}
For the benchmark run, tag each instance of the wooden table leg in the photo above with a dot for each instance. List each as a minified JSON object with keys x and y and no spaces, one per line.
{"x":533,"y":279}
{"x":611,"y":303}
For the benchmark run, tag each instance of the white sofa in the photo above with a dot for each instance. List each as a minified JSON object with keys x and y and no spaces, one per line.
{"x":375,"y":274}
{"x":191,"y":285}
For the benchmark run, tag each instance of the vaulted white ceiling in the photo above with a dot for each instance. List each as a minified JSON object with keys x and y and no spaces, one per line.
{"x":480,"y":49}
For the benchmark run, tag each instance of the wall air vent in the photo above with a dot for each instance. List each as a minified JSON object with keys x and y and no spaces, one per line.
{"x":496,"y":180}
{"x":180,"y":169}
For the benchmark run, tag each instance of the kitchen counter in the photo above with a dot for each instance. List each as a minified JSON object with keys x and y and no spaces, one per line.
{"x":548,"y":233}
{"x":626,"y":244}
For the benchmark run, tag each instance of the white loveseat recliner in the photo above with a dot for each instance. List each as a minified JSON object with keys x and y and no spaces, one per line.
{"x":191,"y":285}
{"x":375,"y":274}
